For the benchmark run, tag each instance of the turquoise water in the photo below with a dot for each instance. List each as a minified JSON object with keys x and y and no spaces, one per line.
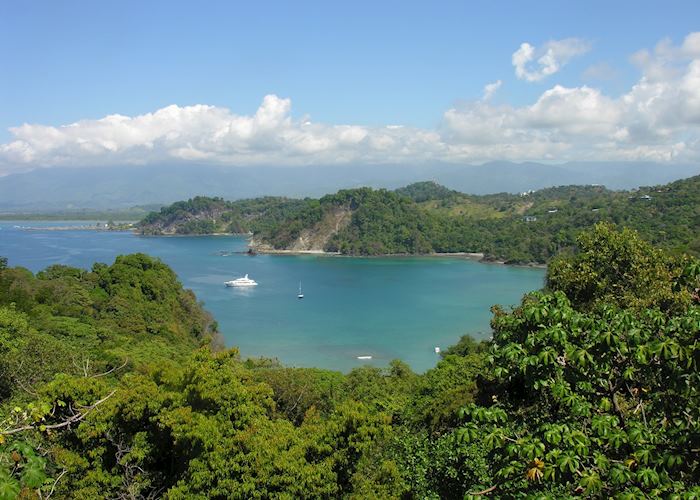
{"x":386,"y":308}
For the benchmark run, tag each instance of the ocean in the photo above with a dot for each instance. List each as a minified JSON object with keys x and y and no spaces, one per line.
{"x":383,"y":307}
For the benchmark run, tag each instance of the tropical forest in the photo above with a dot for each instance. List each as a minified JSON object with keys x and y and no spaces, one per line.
{"x":115,"y":383}
{"x":427,"y":218}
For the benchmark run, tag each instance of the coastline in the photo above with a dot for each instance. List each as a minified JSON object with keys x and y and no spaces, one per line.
{"x":535,"y":265}
{"x":78,"y":228}
{"x":138,"y":232}
{"x":179,"y":235}
{"x":266,"y":250}
{"x":475,"y":256}
{"x":271,"y":251}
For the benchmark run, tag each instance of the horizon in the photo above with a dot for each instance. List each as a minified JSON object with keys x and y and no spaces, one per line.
{"x":62,"y":195}
{"x":331,"y":85}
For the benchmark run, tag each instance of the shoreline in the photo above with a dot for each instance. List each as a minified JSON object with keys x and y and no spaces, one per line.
{"x":473,"y":256}
{"x":479,"y":257}
{"x":465,"y":255}
{"x":78,"y":228}
{"x":178,"y":235}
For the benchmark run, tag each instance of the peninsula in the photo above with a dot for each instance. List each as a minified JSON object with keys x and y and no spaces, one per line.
{"x":427,"y":218}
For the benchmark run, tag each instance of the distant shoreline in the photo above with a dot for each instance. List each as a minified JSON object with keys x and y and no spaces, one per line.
{"x":474,"y":256}
{"x":469,"y":255}
{"x":102,"y":228}
{"x":179,"y":235}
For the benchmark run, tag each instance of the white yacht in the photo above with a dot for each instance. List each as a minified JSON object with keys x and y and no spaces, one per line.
{"x":245,"y":281}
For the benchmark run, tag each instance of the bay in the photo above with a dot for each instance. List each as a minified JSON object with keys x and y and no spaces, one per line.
{"x":387,"y":307}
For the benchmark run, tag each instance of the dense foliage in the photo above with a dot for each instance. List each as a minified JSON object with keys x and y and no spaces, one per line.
{"x":426,"y":217}
{"x":599,"y":396}
{"x":67,"y":319}
{"x":382,"y":223}
{"x":427,"y":191}
{"x":204,"y":215}
{"x":111,"y":386}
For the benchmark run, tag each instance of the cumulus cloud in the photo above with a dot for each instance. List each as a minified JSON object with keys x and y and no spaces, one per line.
{"x":490,"y":89}
{"x":534,"y":64}
{"x":658,"y":118}
{"x":210,"y":134}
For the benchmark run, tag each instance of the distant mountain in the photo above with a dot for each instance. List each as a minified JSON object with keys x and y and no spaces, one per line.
{"x":121,"y":187}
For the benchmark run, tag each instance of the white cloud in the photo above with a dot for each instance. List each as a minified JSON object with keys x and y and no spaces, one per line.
{"x":658,"y":118}
{"x":491,"y":88}
{"x":212,"y":134}
{"x":691,"y":45}
{"x":550,"y":58}
{"x":578,"y":110}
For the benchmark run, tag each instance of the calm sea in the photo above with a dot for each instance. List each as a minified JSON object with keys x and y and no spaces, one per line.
{"x":386,"y":308}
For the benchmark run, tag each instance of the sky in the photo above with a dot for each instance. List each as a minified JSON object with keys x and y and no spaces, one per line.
{"x":88,"y":84}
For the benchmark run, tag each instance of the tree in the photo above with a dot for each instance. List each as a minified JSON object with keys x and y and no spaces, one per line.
{"x":596,"y":394}
{"x":620,"y":268}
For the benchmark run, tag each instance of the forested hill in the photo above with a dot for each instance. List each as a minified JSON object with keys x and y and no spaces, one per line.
{"x":203,"y":215}
{"x":131,"y":309}
{"x":428,"y":218}
{"x":111,"y":388}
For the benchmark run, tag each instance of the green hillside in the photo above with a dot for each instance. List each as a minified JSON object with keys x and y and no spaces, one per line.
{"x":428,"y":218}
{"x":203,"y":215}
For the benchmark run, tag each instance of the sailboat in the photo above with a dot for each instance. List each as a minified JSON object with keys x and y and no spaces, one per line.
{"x":300,"y":295}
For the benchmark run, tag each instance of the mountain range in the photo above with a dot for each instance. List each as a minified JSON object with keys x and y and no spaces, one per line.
{"x":64,"y":188}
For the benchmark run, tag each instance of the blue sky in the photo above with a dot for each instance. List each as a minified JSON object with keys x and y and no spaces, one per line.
{"x":361,"y":63}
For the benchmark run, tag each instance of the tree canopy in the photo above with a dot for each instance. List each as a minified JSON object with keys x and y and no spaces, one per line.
{"x":113,"y":384}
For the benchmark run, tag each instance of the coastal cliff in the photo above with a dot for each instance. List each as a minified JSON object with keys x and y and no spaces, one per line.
{"x":314,"y":239}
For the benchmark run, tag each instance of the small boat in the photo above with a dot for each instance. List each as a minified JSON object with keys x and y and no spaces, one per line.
{"x":300,"y":295}
{"x":364,"y":357}
{"x":437,"y":350}
{"x":245,"y":281}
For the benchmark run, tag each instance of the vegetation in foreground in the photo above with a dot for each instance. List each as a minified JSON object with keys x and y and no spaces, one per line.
{"x":111,"y":385}
{"x":428,"y":218}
